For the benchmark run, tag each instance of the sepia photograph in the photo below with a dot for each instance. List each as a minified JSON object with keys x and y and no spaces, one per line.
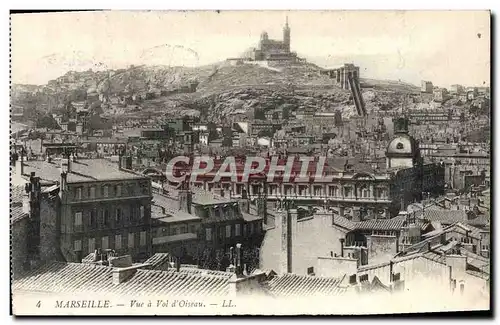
{"x":269,"y":162}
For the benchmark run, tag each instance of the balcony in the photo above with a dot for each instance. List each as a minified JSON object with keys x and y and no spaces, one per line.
{"x":278,"y":196}
{"x":174,"y":238}
{"x":355,"y":244}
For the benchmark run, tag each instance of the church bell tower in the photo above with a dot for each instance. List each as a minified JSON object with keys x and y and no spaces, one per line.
{"x":286,"y":36}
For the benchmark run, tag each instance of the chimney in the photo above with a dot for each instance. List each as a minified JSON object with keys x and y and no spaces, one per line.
{"x":342,"y":240}
{"x":120,"y":261}
{"x":231,"y":268}
{"x":63,"y":181}
{"x":185,"y":200}
{"x":120,"y":275}
{"x":97,"y":255}
{"x":341,"y":211}
{"x":218,"y":190}
{"x":288,"y":226}
{"x":178,"y":264}
{"x":239,"y":260}
{"x":391,"y":271}
{"x":20,"y":163}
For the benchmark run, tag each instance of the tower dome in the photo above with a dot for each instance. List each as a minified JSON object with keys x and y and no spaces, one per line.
{"x":403,"y":150}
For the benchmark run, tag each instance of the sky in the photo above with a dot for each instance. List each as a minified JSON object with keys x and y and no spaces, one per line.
{"x":445,"y":47}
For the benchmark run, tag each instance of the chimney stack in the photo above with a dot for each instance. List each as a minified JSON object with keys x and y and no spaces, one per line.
{"x":120,"y":275}
{"x":288,"y":225}
{"x":232,"y":261}
{"x":239,"y":260}
{"x":20,"y":163}
{"x":342,"y":240}
{"x":178,"y":264}
{"x":185,"y":199}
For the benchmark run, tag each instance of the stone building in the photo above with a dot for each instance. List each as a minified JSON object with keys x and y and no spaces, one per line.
{"x":199,"y":225}
{"x":376,"y":188}
{"x":90,"y":204}
{"x":275,"y":50}
{"x":426,"y":87}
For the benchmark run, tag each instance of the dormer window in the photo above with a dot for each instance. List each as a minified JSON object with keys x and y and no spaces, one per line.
{"x":399,"y":146}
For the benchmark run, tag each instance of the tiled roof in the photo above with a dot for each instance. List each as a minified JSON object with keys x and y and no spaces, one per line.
{"x":380,"y":224}
{"x":172,"y":212}
{"x":289,"y":285}
{"x":250,"y":217}
{"x":476,"y":260}
{"x":77,"y":278}
{"x":480,"y":221}
{"x":343,"y":222}
{"x":159,"y":261}
{"x":82,"y":170}
{"x":444,"y":216}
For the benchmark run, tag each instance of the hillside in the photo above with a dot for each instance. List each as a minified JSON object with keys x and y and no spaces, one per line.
{"x":221,"y":90}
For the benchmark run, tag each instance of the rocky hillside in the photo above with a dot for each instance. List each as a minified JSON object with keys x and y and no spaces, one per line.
{"x":222,"y":89}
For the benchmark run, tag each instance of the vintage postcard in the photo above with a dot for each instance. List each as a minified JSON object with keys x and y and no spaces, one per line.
{"x":250,"y":162}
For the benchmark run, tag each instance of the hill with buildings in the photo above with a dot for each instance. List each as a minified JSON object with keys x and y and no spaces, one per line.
{"x":215,"y":91}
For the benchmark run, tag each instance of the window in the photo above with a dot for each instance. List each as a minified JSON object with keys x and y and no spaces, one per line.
{"x":250,"y":228}
{"x":105,"y":242}
{"x":78,"y":193}
{"x":105,"y":190}
{"x":363,"y":277}
{"x":78,"y":218}
{"x":91,"y":245}
{"x":237,"y":230}
{"x":132,"y":212}
{"x":118,"y":190}
{"x":143,"y":238}
{"x":208,"y":234}
{"x":93,"y":218}
{"x":78,"y":245}
{"x":244,"y":229}
{"x":347,"y":191}
{"x":310,"y":270}
{"x":332,"y":191}
{"x":118,"y":216}
{"x":92,"y":192}
{"x":131,"y":240}
{"x":192,"y":229}
{"x":228,"y":231}
{"x":352,"y":279}
{"x":183,"y":229}
{"x":141,"y":209}
{"x":400,"y":146}
{"x":106,"y":217}
{"x":118,"y":241}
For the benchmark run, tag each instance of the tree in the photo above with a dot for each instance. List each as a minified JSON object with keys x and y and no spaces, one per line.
{"x":47,"y":121}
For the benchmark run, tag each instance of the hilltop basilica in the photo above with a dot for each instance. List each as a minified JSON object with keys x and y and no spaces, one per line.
{"x":275,"y":50}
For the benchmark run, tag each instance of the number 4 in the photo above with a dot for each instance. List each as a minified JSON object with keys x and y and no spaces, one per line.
{"x":38,"y":304}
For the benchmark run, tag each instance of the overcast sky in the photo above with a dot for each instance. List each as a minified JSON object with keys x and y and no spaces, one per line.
{"x":445,"y":47}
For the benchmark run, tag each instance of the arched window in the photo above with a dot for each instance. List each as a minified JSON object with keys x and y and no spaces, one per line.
{"x":399,"y":146}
